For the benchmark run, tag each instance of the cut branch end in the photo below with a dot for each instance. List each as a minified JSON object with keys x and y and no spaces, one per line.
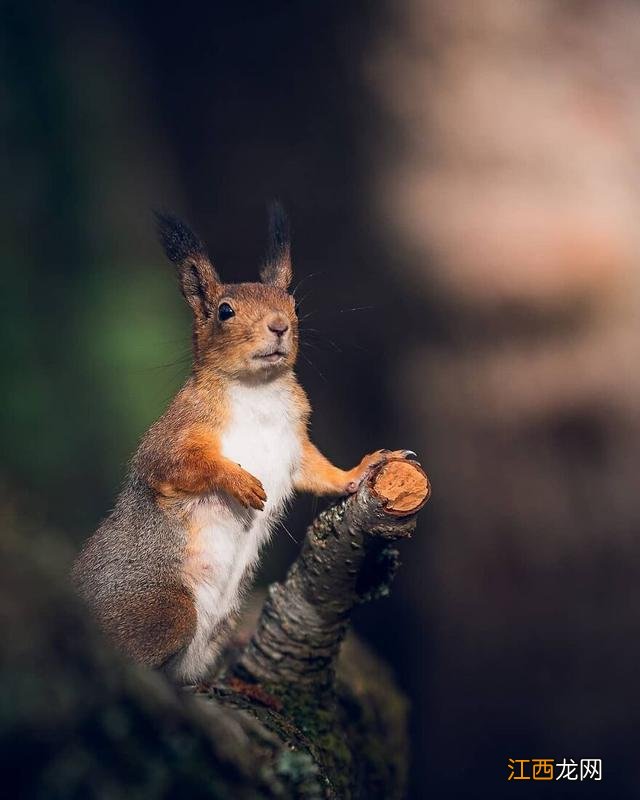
{"x":402,"y":487}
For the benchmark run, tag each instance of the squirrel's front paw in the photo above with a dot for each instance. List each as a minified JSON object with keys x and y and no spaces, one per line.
{"x":246,"y":489}
{"x":370,"y":461}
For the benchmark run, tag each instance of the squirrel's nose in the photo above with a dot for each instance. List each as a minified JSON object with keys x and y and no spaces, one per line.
{"x":278,"y":325}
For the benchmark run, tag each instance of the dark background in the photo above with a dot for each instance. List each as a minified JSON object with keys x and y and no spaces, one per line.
{"x":463,"y":186}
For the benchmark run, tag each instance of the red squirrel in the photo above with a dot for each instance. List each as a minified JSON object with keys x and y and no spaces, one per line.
{"x":165,"y":571}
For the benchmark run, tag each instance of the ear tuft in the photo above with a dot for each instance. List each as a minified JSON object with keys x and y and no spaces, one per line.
{"x":177,"y":239}
{"x":198,"y":278}
{"x":277,"y":269}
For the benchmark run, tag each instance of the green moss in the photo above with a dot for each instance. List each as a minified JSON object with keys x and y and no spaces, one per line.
{"x":316,"y":714}
{"x":298,"y":770}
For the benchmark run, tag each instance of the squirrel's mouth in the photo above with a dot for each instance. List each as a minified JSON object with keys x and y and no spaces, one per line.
{"x":271,"y":357}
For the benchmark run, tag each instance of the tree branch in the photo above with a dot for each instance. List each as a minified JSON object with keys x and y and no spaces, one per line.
{"x":346,"y":559}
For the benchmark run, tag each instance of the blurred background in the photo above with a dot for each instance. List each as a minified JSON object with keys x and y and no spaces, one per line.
{"x":464,"y":186}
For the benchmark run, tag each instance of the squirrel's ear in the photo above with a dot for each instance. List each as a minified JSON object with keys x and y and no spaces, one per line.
{"x":198,"y":278}
{"x":277,"y":268}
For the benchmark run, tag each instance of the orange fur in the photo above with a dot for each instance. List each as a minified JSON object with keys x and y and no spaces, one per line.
{"x":319,"y":476}
{"x":196,"y":466}
{"x":194,"y":568}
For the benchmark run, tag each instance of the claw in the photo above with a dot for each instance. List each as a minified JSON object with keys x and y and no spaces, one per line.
{"x":400,"y":453}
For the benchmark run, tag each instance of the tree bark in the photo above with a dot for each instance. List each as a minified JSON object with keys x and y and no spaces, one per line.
{"x":288,"y":718}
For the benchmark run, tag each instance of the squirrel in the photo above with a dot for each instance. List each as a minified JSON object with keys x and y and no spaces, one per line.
{"x":165,"y":572}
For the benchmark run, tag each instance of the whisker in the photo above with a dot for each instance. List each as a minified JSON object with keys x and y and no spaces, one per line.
{"x":311,"y":364}
{"x":306,"y":278}
{"x":337,"y":311}
{"x":312,"y":345}
{"x":323,"y":340}
{"x":180,"y":362}
{"x":301,"y":300}
{"x":355,"y":308}
{"x":360,"y":347}
{"x":289,"y":534}
{"x":322,"y":337}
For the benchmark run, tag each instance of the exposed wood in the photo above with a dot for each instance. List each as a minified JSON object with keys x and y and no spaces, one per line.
{"x":403,"y":487}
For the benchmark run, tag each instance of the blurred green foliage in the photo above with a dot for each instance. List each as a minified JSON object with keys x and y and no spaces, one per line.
{"x":94,"y":343}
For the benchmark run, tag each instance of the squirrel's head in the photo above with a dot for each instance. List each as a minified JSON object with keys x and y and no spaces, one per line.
{"x":239,"y":329}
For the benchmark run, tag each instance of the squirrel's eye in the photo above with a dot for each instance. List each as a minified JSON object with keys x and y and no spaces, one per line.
{"x":225,"y":311}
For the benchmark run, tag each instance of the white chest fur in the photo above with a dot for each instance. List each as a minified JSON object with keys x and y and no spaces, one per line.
{"x":262,"y":436}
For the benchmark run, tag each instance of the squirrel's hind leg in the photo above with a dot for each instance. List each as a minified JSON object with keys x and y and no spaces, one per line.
{"x":152,"y":626}
{"x":209,"y":655}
